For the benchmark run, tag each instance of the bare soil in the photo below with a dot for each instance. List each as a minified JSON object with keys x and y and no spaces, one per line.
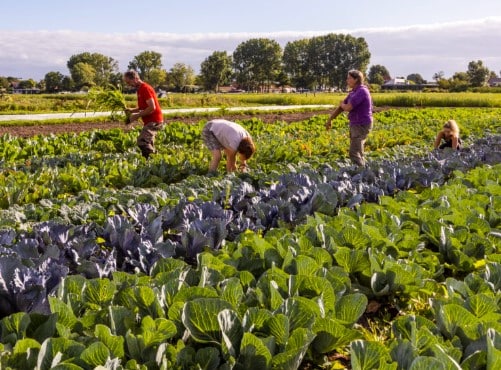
{"x":41,"y":129}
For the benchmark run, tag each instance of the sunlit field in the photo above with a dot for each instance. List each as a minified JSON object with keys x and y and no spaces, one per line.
{"x":10,"y":104}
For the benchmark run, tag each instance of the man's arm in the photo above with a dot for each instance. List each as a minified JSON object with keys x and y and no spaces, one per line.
{"x":137,"y":113}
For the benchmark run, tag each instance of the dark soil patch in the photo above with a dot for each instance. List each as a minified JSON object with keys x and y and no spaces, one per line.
{"x":41,"y":129}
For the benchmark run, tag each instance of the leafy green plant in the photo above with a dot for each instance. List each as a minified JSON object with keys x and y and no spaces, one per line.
{"x":111,"y":99}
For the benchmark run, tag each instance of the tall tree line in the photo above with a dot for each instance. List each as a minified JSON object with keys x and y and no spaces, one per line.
{"x":255,"y":65}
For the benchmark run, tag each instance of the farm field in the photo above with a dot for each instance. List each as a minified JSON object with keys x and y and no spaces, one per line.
{"x":51,"y":103}
{"x":304,"y":262}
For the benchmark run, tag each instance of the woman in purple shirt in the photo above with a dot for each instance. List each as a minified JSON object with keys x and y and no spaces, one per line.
{"x":358,"y":104}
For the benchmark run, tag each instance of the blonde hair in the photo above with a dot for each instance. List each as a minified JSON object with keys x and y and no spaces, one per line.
{"x":452,"y":125}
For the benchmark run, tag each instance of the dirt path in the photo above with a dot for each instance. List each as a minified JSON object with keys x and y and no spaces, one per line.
{"x":41,"y":129}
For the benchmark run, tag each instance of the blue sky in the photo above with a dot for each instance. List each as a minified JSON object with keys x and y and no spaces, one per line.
{"x":407,"y":36}
{"x":193,"y":16}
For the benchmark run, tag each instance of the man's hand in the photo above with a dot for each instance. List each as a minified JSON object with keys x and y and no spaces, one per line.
{"x":135,"y":116}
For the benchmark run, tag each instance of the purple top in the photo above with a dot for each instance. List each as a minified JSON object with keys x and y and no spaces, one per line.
{"x":361,"y":101}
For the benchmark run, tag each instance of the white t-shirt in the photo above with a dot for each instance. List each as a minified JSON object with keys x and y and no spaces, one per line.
{"x":228,"y":133}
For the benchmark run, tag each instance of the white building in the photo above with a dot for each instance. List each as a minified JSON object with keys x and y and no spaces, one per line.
{"x":396,"y":81}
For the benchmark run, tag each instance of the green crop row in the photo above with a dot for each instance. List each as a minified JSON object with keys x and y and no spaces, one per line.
{"x":49,"y":167}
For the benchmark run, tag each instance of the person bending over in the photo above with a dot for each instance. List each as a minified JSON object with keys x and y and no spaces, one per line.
{"x":448,"y":137}
{"x":220,"y":135}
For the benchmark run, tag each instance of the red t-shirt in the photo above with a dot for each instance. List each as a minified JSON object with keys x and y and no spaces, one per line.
{"x":145,"y":93}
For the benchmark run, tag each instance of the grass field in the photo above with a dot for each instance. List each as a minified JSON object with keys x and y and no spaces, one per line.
{"x":16,"y":104}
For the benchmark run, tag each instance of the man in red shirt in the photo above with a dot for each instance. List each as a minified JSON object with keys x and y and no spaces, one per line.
{"x":148,"y":109}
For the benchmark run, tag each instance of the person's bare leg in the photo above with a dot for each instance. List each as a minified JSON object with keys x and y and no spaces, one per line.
{"x":216,"y":158}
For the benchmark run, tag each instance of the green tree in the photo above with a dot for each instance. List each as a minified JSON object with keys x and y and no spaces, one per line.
{"x":296,"y":63}
{"x":180,"y":76}
{"x":216,"y":70}
{"x":147,"y":65}
{"x":105,"y":68}
{"x":257,"y":63}
{"x":477,"y":73}
{"x":83,"y":75}
{"x":460,"y":81}
{"x":378,"y":74}
{"x":438,"y":76}
{"x":324,"y":61}
{"x":67,"y":83}
{"x":316,"y":61}
{"x":157,"y":77}
{"x":342,"y":53}
{"x":4,"y":82}
{"x":282,"y":79}
{"x":53,"y":81}
{"x":416,"y":78}
{"x":41,"y":85}
{"x":27,"y":84}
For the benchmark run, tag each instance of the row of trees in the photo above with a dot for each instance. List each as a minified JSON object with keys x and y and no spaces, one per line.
{"x":312,"y":63}
{"x":317,"y":62}
{"x":256,"y":64}
{"x":476,"y":75}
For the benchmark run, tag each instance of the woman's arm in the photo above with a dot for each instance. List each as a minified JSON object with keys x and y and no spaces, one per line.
{"x":438,"y":140}
{"x":347,"y":107}
{"x":334,"y":114}
{"x":455,"y":142}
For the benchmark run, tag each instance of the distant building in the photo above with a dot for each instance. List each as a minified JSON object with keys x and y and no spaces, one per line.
{"x":396,"y":81}
{"x":33,"y":90}
{"x":400,"y":83}
{"x":494,"y":82}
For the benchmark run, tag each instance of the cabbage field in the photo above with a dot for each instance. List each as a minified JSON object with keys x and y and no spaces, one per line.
{"x":303,"y":262}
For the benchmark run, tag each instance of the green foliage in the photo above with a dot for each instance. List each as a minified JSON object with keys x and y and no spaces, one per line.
{"x":257,"y":63}
{"x":378,"y":74}
{"x":110,"y":99}
{"x":181,"y":77}
{"x":324,"y":61}
{"x":92,"y":69}
{"x":149,"y":66}
{"x":410,"y":281}
{"x":21,"y":104}
{"x":216,"y":70}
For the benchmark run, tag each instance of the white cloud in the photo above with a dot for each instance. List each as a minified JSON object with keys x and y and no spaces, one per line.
{"x":424,"y":49}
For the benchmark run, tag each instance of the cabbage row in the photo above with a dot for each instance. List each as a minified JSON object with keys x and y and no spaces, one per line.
{"x":285,"y":298}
